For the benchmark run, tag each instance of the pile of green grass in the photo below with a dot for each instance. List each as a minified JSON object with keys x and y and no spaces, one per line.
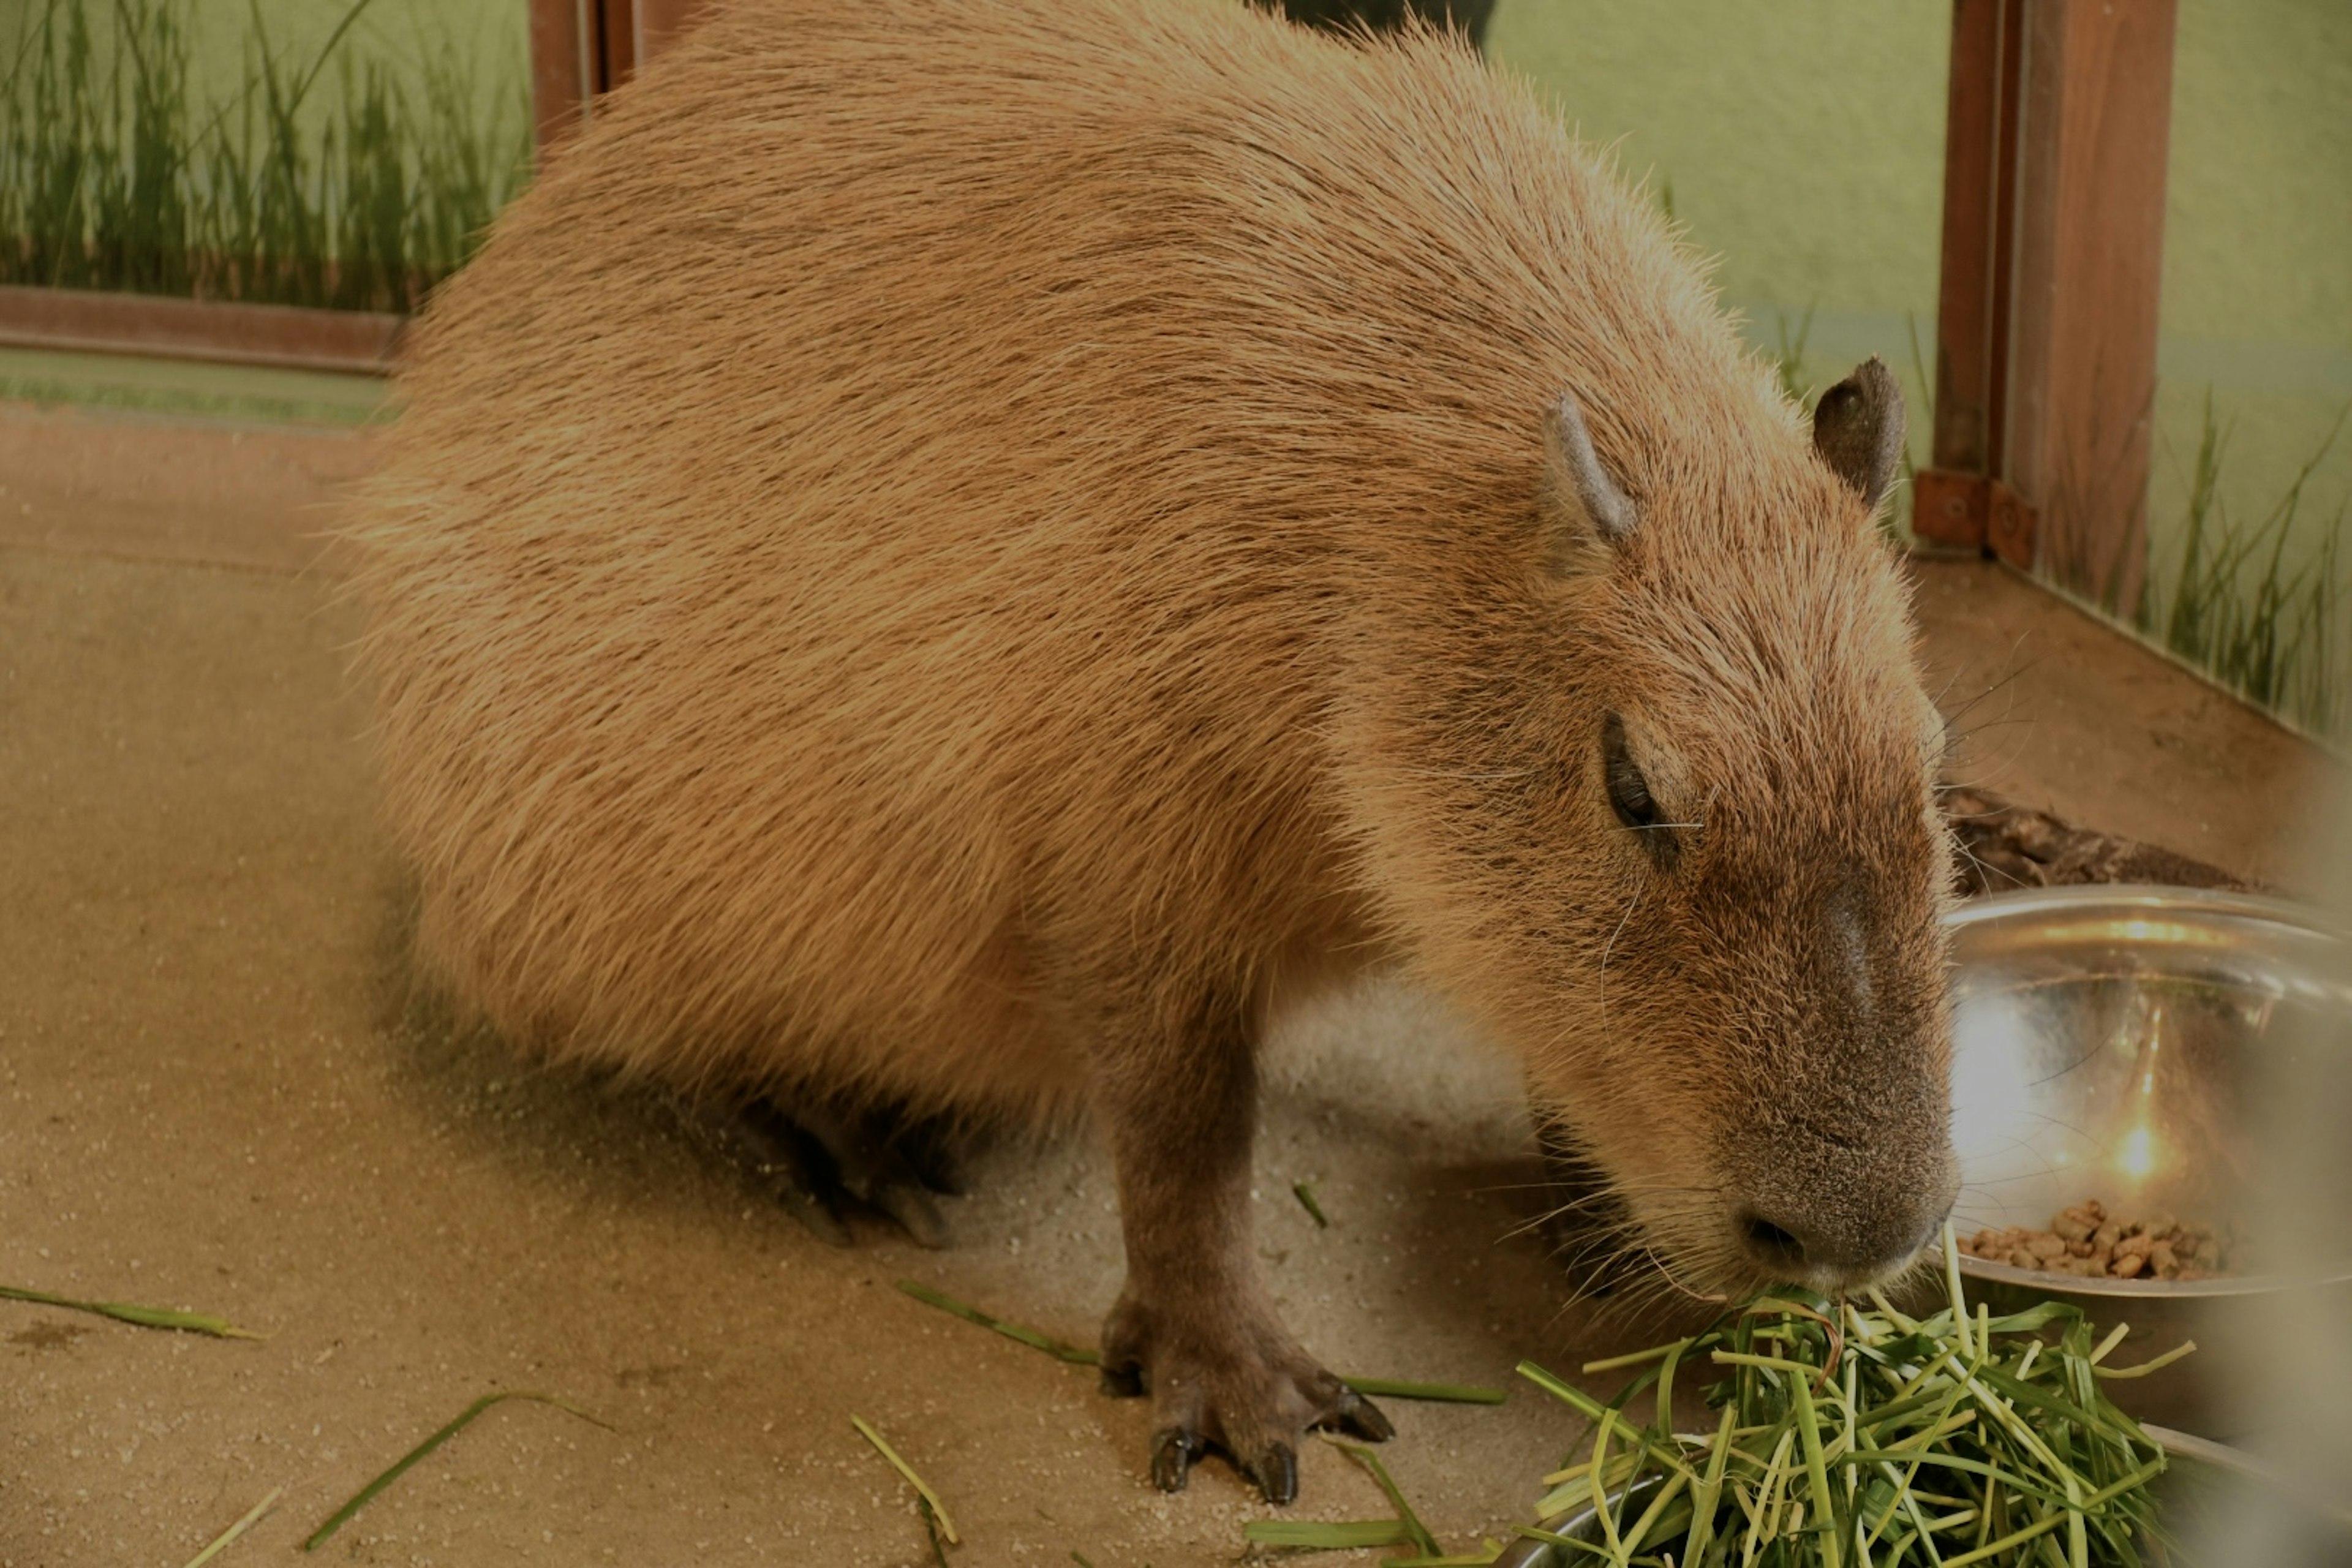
{"x":110,"y":178}
{"x":1854,"y":1437}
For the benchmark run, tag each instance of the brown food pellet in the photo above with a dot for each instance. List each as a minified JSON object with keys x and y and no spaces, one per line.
{"x":2087,"y":1240}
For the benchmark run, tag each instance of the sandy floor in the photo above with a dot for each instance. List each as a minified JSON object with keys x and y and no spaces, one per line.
{"x":216,"y":1095}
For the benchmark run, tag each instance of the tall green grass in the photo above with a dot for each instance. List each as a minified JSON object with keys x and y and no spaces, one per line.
{"x":2233,"y":602}
{"x":111,"y":179}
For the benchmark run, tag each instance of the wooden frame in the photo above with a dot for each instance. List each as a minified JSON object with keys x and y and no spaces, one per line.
{"x":582,"y":48}
{"x":2057,"y":123}
{"x":288,"y":337}
{"x":2056,"y":134}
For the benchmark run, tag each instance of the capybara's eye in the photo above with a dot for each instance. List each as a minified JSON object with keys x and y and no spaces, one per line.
{"x":1629,"y":792}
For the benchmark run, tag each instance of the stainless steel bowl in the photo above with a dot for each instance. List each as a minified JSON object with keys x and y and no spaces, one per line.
{"x":1584,"y":1525}
{"x":2126,"y":1043}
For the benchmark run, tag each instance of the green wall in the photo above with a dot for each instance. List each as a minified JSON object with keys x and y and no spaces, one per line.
{"x":491,"y":38}
{"x":1804,"y":140}
{"x":2258,"y":252}
{"x":1801,"y":143}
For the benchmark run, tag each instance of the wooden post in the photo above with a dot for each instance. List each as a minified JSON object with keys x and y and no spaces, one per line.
{"x":2090,"y":249}
{"x":582,"y":48}
{"x":2054,"y":228}
{"x":562,"y":66}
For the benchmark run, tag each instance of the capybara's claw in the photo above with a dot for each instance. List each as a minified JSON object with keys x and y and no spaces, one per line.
{"x":815,"y":1161}
{"x":1173,"y":1452}
{"x":811,"y":1208}
{"x":1358,"y":1417}
{"x":1228,"y":1378}
{"x":1275,"y":1471}
{"x":913,"y":1210}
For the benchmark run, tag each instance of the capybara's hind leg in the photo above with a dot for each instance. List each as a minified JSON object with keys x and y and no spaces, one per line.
{"x":818,"y":1155}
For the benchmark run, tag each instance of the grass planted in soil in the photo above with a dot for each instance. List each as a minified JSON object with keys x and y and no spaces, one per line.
{"x":110,"y":178}
{"x":2231,"y":603}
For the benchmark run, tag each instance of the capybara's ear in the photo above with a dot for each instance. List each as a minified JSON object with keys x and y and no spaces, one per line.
{"x":1582,"y":504}
{"x":1858,"y":429}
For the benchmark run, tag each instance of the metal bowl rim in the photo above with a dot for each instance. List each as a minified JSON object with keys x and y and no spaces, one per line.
{"x":2131,"y":896}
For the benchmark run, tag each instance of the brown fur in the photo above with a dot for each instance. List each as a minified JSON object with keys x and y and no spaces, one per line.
{"x":946,"y":548}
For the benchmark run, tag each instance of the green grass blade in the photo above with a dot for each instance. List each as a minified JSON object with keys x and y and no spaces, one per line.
{"x":408,"y":1461}
{"x":1304,"y":1193}
{"x":1081,"y":1355}
{"x":302,"y":90}
{"x":2153,"y":1363}
{"x":1317,"y":1535}
{"x":133,"y":1313}
{"x":922,"y":1487}
{"x":932,"y":1522}
{"x":1020,"y":1334}
{"x":1809,"y":1434}
{"x":1436,"y":1393}
{"x":1379,"y":1473}
{"x":220,"y":1542}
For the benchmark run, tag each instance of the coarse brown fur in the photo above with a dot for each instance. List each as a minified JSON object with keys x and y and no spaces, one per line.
{"x":947,"y":548}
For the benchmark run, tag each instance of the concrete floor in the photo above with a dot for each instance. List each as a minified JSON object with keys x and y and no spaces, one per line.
{"x":217,"y":1096}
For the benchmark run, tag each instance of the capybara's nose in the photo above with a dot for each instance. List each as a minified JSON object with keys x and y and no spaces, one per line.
{"x":1772,"y":1244}
{"x":1821,"y":1251}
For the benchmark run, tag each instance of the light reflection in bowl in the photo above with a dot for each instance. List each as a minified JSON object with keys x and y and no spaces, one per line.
{"x":2118,"y":1042}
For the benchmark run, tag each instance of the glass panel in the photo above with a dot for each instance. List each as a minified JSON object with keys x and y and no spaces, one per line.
{"x":2256,"y":326}
{"x":1801,"y":143}
{"x":304,"y":152}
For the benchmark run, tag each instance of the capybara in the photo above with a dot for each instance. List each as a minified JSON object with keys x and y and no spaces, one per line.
{"x":949,"y":552}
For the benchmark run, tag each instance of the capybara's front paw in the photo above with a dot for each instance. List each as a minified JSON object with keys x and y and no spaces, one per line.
{"x":1230,"y":1377}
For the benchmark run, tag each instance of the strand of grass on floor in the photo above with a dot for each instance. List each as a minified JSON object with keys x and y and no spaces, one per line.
{"x":1304,"y":1193}
{"x":1379,"y":1473}
{"x":401,"y":1467}
{"x":929,"y":1499}
{"x":931,"y":1530}
{"x":1340,"y":1535}
{"x":133,"y":1313}
{"x":1079,"y":1355}
{"x":1036,"y":1339}
{"x":253,"y":1517}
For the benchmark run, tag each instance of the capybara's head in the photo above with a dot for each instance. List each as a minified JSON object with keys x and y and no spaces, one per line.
{"x":1716,"y":870}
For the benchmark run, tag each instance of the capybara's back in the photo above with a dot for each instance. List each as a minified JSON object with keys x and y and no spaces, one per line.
{"x":893,"y":496}
{"x":947,"y":548}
